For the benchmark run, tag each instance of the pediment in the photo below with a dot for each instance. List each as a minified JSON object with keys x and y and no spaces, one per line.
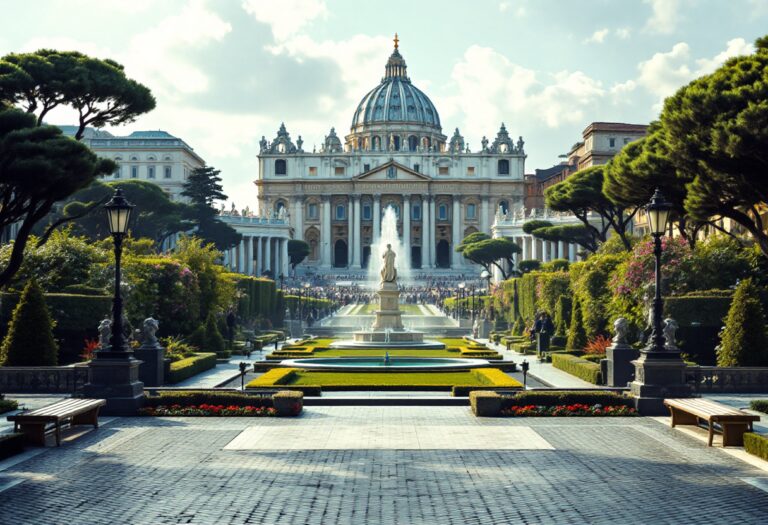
{"x":392,"y":171}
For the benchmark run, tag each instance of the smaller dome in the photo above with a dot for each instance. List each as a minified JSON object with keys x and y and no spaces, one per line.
{"x":332,"y":143}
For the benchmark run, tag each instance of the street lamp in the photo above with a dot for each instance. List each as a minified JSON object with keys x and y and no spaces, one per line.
{"x":462,"y":285}
{"x":486,"y":275}
{"x":658,"y":211}
{"x":118,"y":216}
{"x":303,"y":298}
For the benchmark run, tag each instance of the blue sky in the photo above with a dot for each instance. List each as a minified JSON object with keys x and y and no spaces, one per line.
{"x":226,"y":72}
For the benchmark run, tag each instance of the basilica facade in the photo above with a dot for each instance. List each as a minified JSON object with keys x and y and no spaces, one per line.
{"x":395,"y":155}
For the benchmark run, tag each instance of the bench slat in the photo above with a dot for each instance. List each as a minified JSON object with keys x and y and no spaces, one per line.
{"x":704,"y":408}
{"x":60,"y":410}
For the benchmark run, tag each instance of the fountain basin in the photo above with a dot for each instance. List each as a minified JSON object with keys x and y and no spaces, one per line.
{"x":384,"y":340}
{"x":393,"y":364}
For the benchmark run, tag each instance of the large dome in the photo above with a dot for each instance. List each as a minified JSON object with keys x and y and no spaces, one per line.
{"x":396,"y":100}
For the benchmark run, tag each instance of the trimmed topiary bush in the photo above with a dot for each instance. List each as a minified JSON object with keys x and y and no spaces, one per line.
{"x":577,"y":336}
{"x":214,"y":341}
{"x":581,"y":368}
{"x":519,"y":327}
{"x":562,"y":315}
{"x":186,"y":368}
{"x":744,"y":341}
{"x":761,"y":405}
{"x":756,"y":445}
{"x":29,"y":341}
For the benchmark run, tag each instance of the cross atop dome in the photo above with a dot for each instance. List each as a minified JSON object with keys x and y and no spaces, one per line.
{"x":396,"y":67}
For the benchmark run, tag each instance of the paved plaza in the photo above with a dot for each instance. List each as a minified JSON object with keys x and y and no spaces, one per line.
{"x":250,"y":470}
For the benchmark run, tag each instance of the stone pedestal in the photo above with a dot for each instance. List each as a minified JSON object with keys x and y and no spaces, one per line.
{"x":620,"y":369}
{"x":152,"y":361}
{"x":116,"y":379}
{"x":388,"y":316}
{"x":658,"y":376}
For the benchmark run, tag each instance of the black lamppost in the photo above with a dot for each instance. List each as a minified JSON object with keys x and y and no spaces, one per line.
{"x":304,"y":298}
{"x":486,"y":275}
{"x":462,"y":285}
{"x":660,"y":373}
{"x":473,"y":303}
{"x":118,"y":216}
{"x":658,"y":213}
{"x":114,"y":373}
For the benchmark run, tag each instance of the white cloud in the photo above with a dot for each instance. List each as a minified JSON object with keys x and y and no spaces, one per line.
{"x":504,"y":6}
{"x":598,"y":37}
{"x":665,"y":73}
{"x":489,"y":88}
{"x":735,"y":47}
{"x":623,"y":33}
{"x":665,"y":16}
{"x":285,"y":17}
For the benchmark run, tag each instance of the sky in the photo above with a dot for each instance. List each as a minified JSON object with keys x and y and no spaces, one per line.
{"x":226,"y":72}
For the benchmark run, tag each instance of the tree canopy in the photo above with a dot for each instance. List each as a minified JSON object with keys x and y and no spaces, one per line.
{"x":203,"y":186}
{"x":582,"y":193}
{"x":203,"y":189}
{"x":38,"y":167}
{"x":718,"y":131}
{"x":96,"y":89}
{"x":297,"y":251}
{"x":481,"y":249}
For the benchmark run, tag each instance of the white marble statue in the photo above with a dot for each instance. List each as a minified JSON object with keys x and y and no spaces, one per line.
{"x":149,"y":329}
{"x":105,"y":331}
{"x":388,"y":270}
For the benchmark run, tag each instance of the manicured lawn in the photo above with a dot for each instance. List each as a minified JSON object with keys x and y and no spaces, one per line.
{"x":328,"y":380}
{"x":379,"y":352}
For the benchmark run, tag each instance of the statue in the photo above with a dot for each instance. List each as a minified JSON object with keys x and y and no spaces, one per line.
{"x":281,"y":214}
{"x":105,"y":331}
{"x":263,"y":144}
{"x":620,"y":329}
{"x":520,"y":144}
{"x":388,"y":271}
{"x":484,"y":143}
{"x":299,"y":144}
{"x":670,"y":327}
{"x":149,"y":328}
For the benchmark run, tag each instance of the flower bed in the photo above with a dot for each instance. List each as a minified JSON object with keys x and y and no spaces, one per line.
{"x":208,"y":410}
{"x":575,"y":410}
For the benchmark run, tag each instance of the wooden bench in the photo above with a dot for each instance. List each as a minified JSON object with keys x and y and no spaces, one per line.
{"x":35,"y":423}
{"x":733,"y":422}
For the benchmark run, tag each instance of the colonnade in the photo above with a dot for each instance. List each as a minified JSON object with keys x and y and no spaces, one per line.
{"x":258,"y":254}
{"x":427,"y":218}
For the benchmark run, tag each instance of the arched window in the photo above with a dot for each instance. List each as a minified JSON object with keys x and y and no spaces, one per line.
{"x":281,"y":168}
{"x":503,"y":167}
{"x":442,"y":212}
{"x":341,"y":212}
{"x":413,"y":143}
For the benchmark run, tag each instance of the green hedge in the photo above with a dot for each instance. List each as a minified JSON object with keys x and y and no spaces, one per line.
{"x":6,"y":405}
{"x":756,"y":445}
{"x":258,"y":298}
{"x":186,"y":368}
{"x":705,"y":308}
{"x":761,"y":405}
{"x":72,"y":312}
{"x":194,"y":397}
{"x":568,"y":397}
{"x":578,"y":367}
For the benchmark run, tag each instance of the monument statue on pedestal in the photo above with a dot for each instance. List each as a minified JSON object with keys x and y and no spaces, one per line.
{"x":388,"y":270}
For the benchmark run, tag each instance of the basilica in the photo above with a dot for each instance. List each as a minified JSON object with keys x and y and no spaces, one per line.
{"x":395,"y":155}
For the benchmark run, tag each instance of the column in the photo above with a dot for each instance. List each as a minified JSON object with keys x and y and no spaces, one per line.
{"x":298,"y":218}
{"x":516,"y":256}
{"x":285,"y":265}
{"x":425,"y":222}
{"x":249,"y":255}
{"x":241,"y":256}
{"x":268,"y":254}
{"x":432,"y":231}
{"x":571,"y":252}
{"x":534,"y":248}
{"x":350,"y":228}
{"x":376,"y":216}
{"x":325,"y":238}
{"x":356,"y":232}
{"x":259,"y":257}
{"x":456,"y":230}
{"x":407,"y":230}
{"x":526,"y":248}
{"x":484,"y":218}
{"x":561,"y":250}
{"x":545,"y":248}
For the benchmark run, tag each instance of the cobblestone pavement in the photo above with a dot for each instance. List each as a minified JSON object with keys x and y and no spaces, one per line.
{"x":174,"y":470}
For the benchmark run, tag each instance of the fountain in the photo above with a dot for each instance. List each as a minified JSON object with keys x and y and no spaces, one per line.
{"x":387,"y":330}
